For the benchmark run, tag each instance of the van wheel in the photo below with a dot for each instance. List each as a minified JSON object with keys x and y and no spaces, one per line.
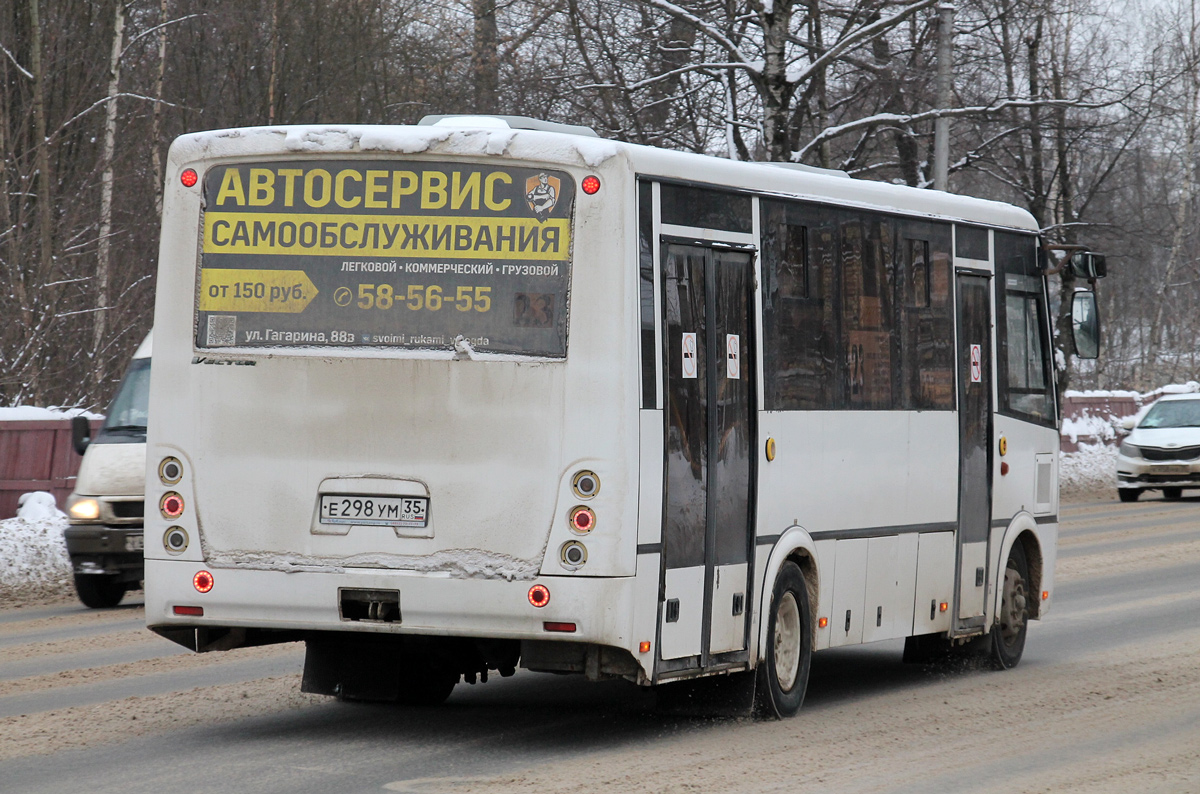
{"x":783,"y":676}
{"x":1128,"y":494}
{"x":1008,"y":636}
{"x":99,"y":591}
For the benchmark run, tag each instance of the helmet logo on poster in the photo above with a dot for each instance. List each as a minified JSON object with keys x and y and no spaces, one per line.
{"x":541,"y":193}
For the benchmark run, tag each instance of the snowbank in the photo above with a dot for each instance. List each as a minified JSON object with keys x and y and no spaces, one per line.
{"x":33,"y":555}
{"x":1090,"y":470}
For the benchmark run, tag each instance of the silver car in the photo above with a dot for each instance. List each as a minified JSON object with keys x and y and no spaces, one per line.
{"x":1163,"y":451}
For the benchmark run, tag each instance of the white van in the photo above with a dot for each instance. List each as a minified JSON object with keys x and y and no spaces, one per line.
{"x":106,"y":510}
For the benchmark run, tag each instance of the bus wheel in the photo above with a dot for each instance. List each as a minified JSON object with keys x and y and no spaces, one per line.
{"x":1172,"y":493}
{"x":783,"y":676}
{"x":99,"y":591}
{"x":1008,"y":637}
{"x":424,"y":685}
{"x":1128,"y":494}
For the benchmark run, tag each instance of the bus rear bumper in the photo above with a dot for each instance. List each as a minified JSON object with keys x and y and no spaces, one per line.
{"x":294,"y":603}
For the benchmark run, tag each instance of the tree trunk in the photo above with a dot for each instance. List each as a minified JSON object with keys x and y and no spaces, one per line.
{"x":776,"y":91}
{"x":485,"y":63}
{"x":156,"y":126}
{"x":99,"y":323}
{"x":45,"y":186}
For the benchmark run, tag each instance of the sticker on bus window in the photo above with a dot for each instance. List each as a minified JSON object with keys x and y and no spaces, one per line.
{"x":386,"y":253}
{"x":976,"y":364}
{"x":689,"y":355}
{"x":733,"y":362}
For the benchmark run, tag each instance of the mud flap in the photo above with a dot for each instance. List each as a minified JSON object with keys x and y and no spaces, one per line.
{"x":729,"y":695}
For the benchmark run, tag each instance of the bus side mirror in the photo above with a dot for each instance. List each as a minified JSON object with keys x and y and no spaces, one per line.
{"x":81,"y":433}
{"x":1085,"y":324}
{"x":1088,"y":265}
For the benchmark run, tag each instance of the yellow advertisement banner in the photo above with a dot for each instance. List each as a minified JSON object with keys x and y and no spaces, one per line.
{"x":404,"y":236}
{"x":284,"y":291}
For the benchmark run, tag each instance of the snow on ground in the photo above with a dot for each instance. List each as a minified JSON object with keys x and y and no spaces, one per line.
{"x":1091,"y":470}
{"x":33,"y":555}
{"x":30,"y":413}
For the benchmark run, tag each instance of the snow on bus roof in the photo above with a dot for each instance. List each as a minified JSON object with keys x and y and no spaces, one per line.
{"x":466,"y":140}
{"x":472,"y":138}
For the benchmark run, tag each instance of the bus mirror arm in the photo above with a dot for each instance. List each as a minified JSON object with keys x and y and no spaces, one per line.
{"x":1083,"y":263}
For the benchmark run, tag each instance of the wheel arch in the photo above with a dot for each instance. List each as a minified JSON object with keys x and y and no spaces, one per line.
{"x":794,"y":545}
{"x":1023,"y":529}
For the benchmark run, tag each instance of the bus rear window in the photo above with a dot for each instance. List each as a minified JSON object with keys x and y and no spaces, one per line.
{"x":385,"y":254}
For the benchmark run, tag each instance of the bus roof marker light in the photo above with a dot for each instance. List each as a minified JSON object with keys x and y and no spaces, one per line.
{"x":203,"y":581}
{"x":189,"y":177}
{"x":539,"y":595}
{"x":591,"y":185}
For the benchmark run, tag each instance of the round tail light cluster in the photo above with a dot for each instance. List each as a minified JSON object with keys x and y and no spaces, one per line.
{"x":175,"y":540}
{"x":573,"y":554}
{"x":585,"y":484}
{"x":171,"y":505}
{"x":170,"y":471}
{"x":539,"y":595}
{"x":203,"y":581}
{"x":583,"y":520}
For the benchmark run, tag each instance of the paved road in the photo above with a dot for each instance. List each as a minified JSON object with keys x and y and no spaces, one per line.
{"x":1108,"y":675}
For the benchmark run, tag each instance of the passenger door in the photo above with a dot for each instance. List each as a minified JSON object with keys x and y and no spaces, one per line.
{"x":975,"y":447}
{"x":709,"y":442}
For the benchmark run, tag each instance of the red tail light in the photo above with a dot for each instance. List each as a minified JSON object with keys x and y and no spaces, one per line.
{"x":203,"y":581}
{"x":171,"y":505}
{"x":539,"y":595}
{"x":567,"y":627}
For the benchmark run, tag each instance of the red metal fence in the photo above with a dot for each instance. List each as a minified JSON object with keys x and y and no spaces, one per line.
{"x":36,"y":456}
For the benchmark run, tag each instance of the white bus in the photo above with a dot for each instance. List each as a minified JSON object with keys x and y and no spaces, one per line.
{"x":490,"y":392}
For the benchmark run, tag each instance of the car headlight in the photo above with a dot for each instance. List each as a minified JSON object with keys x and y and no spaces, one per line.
{"x":84,"y":508}
{"x":1129,"y":450}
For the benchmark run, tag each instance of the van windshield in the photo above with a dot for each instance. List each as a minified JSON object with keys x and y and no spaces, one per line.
{"x":126,"y":420}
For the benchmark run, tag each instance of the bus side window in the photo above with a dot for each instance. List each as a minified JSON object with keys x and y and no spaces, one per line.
{"x":646,"y":292}
{"x":1023,"y":345}
{"x":924,"y":316}
{"x":867,"y":321}
{"x":799,"y":344}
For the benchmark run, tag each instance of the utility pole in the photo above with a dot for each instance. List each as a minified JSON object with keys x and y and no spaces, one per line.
{"x":945,"y":96}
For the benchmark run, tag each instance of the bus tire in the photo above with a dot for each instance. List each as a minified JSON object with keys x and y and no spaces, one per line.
{"x":1008,"y":635}
{"x":1129,"y":494}
{"x":783,"y":675}
{"x":1173,"y":493}
{"x":425,"y":685}
{"x":99,"y":591}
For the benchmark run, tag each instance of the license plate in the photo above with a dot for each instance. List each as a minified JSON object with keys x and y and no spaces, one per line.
{"x":382,"y":511}
{"x":134,"y":543}
{"x":1170,"y":469}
